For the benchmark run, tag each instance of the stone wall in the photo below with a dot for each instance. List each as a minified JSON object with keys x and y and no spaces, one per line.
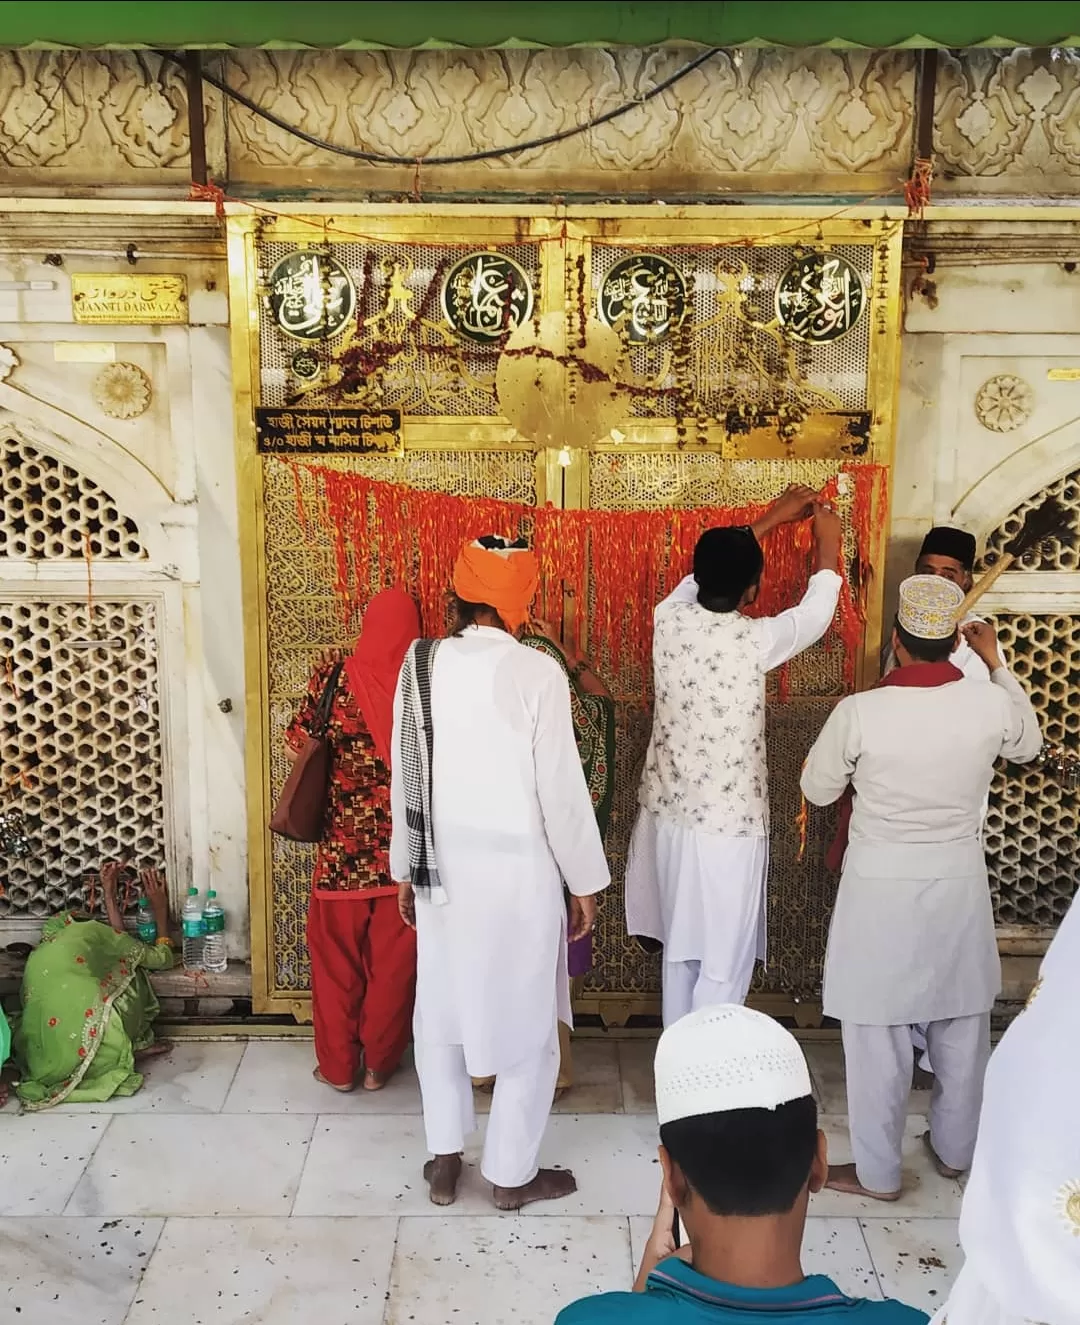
{"x":809,"y":123}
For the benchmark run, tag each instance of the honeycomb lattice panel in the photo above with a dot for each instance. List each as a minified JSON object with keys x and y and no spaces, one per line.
{"x":834,"y":372}
{"x":81,"y":717}
{"x":433,"y":372}
{"x":1053,"y":554}
{"x":52,"y":513}
{"x":1031,"y":827}
{"x":303,"y":616}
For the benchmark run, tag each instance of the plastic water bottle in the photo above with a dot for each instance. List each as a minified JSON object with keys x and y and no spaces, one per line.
{"x":194,"y":928}
{"x":145,"y":924}
{"x":214,"y":958}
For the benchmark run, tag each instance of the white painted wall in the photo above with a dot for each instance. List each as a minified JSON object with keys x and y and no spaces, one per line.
{"x":172,"y":470}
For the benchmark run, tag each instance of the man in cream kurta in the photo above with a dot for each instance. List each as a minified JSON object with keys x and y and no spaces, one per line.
{"x":512,"y":819}
{"x":912,"y":935}
{"x":698,"y":861}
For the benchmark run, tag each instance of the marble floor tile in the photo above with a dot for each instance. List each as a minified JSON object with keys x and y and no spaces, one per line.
{"x":613,"y":1158}
{"x":640,"y":1228}
{"x":502,"y":1270}
{"x":374,"y":1166}
{"x":837,"y":1248}
{"x":42,"y":1158}
{"x":916,"y":1259}
{"x":925,"y":1192}
{"x":177,"y":1164}
{"x":274,"y":1271}
{"x":636,"y":1067}
{"x":192,"y":1078}
{"x":275,"y":1077}
{"x":596,"y":1088}
{"x":72,"y":1271}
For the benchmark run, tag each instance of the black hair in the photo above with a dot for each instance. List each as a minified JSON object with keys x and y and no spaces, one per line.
{"x":925,"y":650}
{"x":463,"y":614}
{"x":746,"y":1162}
{"x":727,"y":563}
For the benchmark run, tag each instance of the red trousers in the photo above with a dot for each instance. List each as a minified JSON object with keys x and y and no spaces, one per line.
{"x":363,"y":979}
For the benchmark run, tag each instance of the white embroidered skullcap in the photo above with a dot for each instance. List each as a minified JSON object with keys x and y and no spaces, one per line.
{"x":929,"y":605}
{"x":727,"y":1057}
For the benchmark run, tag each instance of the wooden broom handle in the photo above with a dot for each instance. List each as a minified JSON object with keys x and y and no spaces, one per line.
{"x":996,"y":571}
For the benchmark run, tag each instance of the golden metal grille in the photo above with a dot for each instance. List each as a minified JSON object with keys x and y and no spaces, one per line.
{"x":837,"y":369}
{"x":303,"y":615}
{"x":456,"y":441}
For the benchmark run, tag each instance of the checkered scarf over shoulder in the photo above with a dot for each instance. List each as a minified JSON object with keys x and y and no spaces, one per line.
{"x":417,"y":739}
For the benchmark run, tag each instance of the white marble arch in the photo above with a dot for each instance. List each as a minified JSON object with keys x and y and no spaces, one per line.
{"x":1017,"y":478}
{"x":166,"y":531}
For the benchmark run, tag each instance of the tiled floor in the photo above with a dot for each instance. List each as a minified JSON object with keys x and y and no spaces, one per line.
{"x":234,"y":1189}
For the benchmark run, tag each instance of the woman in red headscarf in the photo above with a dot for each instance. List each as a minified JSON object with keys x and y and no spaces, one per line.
{"x":363,"y":956}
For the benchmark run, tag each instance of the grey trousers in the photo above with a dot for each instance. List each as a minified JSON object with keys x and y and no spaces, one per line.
{"x":879,"y":1061}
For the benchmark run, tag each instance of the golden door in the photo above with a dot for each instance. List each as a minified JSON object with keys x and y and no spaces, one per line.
{"x":752,"y":350}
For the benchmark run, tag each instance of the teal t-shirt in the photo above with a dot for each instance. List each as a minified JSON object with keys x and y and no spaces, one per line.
{"x":675,"y":1294}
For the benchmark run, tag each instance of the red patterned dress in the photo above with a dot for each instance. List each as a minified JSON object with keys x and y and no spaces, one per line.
{"x":363,"y":956}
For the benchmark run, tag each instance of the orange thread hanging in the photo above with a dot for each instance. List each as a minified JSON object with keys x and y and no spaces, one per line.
{"x":385,"y":533}
{"x":917,"y":190}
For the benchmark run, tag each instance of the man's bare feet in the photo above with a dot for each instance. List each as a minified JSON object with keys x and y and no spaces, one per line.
{"x":843,"y":1178}
{"x":344,"y":1090}
{"x":548,"y":1185}
{"x":938,"y":1162}
{"x":442,"y":1175}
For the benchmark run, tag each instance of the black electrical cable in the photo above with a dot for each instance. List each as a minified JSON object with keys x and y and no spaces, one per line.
{"x":488,"y":154}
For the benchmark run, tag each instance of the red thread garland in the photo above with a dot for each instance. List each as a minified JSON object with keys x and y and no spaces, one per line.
{"x":386,"y":533}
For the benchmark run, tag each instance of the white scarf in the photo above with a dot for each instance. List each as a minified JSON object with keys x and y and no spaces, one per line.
{"x":1020,"y":1221}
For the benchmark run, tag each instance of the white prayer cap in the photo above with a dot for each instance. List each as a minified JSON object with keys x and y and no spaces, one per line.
{"x":727,"y":1057}
{"x":929,"y":605}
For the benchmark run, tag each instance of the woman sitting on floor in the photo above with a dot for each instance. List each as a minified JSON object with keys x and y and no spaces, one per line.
{"x":87,"y":1005}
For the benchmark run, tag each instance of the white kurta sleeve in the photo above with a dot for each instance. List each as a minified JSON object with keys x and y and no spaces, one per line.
{"x":805,"y":623}
{"x":832,"y":757}
{"x":399,"y":833}
{"x":569,"y":818}
{"x":1021,"y":740}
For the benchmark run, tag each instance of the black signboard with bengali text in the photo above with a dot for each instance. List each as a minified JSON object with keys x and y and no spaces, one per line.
{"x":328,"y":431}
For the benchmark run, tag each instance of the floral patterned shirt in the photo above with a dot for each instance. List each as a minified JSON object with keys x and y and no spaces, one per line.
{"x":353,"y":856}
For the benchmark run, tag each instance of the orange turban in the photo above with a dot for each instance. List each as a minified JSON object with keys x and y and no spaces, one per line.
{"x":503,"y":575}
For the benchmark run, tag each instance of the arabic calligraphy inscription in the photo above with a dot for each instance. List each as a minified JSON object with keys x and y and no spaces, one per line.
{"x":312,"y":296}
{"x":819,"y":298}
{"x":644,"y":296}
{"x":486,"y":296}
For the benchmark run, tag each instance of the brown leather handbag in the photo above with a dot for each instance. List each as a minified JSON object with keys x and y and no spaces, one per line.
{"x":300,"y":813}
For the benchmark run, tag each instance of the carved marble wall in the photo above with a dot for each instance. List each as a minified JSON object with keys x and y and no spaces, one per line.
{"x":808,"y":123}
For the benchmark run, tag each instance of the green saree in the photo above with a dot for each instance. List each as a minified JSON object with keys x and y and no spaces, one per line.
{"x":87,"y":1010}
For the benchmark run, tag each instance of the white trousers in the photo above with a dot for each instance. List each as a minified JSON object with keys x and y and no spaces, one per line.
{"x":879,"y":1061}
{"x":686,"y":987}
{"x":520,"y":1107}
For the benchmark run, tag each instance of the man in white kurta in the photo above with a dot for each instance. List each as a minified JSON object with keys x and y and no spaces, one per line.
{"x":698,"y":860}
{"x":512,"y":820}
{"x":912,"y":935}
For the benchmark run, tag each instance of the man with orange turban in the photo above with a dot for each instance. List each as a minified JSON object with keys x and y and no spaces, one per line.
{"x":491,"y":814}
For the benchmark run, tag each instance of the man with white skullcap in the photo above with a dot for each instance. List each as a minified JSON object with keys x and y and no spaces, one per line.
{"x":912,"y":937}
{"x":741,"y":1152}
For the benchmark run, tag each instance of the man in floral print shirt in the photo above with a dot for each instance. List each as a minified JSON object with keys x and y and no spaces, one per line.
{"x":695,"y":878}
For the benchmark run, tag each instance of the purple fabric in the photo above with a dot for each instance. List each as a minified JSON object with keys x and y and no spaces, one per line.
{"x":579,"y":956}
